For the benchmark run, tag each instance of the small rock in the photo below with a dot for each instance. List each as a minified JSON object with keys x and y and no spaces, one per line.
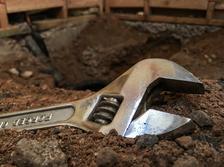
{"x":93,"y":10}
{"x":38,"y":154}
{"x":56,"y":130}
{"x":44,"y":87}
{"x":201,"y":118}
{"x":186,"y":161}
{"x":146,"y":141}
{"x":209,"y":60}
{"x":185,"y":141}
{"x":107,"y":158}
{"x":213,"y":56}
{"x":140,"y":13}
{"x":14,"y":71}
{"x":27,"y":74}
{"x":206,"y":56}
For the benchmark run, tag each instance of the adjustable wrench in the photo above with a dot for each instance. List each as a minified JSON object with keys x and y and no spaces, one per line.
{"x":118,"y":106}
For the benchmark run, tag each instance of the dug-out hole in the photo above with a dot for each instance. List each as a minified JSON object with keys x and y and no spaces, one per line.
{"x":93,"y":55}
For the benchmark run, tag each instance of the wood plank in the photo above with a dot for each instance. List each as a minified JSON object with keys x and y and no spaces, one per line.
{"x":14,"y":6}
{"x":3,"y":15}
{"x":146,"y":8}
{"x":23,"y":29}
{"x":125,"y":3}
{"x":210,"y":10}
{"x":48,"y":24}
{"x":180,"y":4}
{"x":64,"y":11}
{"x":107,"y":7}
{"x":171,"y":19}
{"x":72,"y":4}
{"x":101,"y":6}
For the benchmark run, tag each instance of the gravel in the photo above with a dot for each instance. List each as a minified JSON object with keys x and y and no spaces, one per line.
{"x":179,"y":31}
{"x":38,"y":154}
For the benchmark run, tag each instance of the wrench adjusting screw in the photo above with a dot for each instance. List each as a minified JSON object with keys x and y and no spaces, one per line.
{"x":106,"y":109}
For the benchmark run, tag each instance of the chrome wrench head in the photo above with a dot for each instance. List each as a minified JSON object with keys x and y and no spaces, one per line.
{"x":115,"y":106}
{"x":158,"y":123}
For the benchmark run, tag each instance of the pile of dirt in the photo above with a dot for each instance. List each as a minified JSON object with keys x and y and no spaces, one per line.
{"x":96,"y":53}
{"x":203,"y":55}
{"x":101,"y":51}
{"x":202,"y":147}
{"x":18,"y":64}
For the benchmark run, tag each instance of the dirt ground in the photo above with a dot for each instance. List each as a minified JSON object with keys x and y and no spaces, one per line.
{"x":86,"y":56}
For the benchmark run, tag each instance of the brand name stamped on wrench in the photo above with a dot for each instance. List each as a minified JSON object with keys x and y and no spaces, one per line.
{"x":32,"y":120}
{"x":4,"y":124}
{"x":27,"y":120}
{"x":37,"y":118}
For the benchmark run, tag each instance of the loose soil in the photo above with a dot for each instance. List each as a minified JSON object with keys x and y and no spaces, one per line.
{"x":101,"y":50}
{"x":105,"y":48}
{"x":82,"y":147}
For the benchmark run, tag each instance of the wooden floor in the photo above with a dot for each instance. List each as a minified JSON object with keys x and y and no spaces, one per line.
{"x":203,"y":12}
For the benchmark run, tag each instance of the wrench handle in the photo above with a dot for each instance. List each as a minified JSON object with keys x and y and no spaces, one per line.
{"x":39,"y":118}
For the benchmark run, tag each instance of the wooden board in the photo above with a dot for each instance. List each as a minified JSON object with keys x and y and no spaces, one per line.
{"x":180,"y":4}
{"x":72,"y":4}
{"x":14,"y":6}
{"x":172,"y":19}
{"x":210,"y":10}
{"x":3,"y":15}
{"x":23,"y":29}
{"x":64,"y":10}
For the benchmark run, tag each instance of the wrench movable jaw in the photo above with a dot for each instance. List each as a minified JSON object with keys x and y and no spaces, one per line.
{"x":113,"y":107}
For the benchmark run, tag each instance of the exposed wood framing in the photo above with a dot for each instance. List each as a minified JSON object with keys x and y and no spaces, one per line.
{"x":14,"y":6}
{"x":101,"y":6}
{"x":3,"y":15}
{"x":171,"y":19}
{"x":210,"y":9}
{"x":64,"y":10}
{"x":146,"y":8}
{"x":82,"y":3}
{"x":107,"y":6}
{"x":180,"y":4}
{"x":23,"y":29}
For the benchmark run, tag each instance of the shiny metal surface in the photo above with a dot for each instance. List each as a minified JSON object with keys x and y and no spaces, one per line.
{"x":154,"y":122}
{"x":41,"y":117}
{"x":134,"y":86}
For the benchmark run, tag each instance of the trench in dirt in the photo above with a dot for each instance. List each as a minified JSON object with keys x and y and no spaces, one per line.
{"x":92,"y":55}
